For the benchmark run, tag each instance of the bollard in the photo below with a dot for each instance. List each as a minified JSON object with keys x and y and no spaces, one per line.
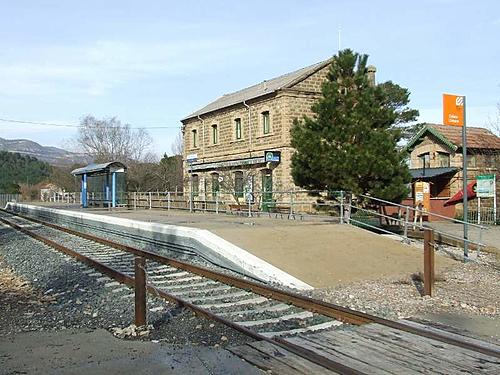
{"x":140,"y":291}
{"x":347,"y":214}
{"x":407,"y":219}
{"x":428,"y":262}
{"x":341,"y":207}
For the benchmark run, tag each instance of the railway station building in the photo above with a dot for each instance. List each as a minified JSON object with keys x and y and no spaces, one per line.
{"x":242,"y":142}
{"x":436,"y":157}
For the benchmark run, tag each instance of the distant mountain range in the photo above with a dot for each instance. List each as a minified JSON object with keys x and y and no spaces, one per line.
{"x":51,"y":155}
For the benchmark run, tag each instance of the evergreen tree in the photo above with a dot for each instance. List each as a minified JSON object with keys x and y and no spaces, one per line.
{"x":351,"y":141}
{"x":16,"y":169}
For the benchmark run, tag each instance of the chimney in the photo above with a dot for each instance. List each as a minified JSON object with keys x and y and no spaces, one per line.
{"x":370,"y":73}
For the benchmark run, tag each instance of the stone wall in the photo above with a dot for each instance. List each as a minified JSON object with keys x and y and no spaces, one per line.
{"x":314,"y":82}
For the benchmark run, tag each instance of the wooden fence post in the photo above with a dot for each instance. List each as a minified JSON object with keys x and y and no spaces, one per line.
{"x":428,"y":262}
{"x":140,"y":291}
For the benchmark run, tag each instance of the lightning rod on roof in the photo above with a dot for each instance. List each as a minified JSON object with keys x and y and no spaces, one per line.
{"x":340,"y":46}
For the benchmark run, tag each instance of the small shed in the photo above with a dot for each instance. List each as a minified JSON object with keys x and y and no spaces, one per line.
{"x":102,"y":184}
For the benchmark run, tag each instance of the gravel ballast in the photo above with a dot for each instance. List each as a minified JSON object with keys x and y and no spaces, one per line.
{"x":44,"y":290}
{"x":464,"y":292}
{"x":68,"y":296}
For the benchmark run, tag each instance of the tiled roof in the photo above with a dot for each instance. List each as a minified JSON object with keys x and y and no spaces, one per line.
{"x":260,"y":89}
{"x":478,"y":138}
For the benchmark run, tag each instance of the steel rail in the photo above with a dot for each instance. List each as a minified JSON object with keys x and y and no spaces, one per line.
{"x":333,"y":311}
{"x":307,"y":303}
{"x":130,"y":281}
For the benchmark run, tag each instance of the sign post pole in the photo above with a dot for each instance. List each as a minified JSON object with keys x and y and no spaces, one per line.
{"x":454,"y":115}
{"x":464,"y":159}
{"x":479,"y":210}
{"x":190,"y":159}
{"x":494,"y":199}
{"x":486,"y":188}
{"x":190,"y":188}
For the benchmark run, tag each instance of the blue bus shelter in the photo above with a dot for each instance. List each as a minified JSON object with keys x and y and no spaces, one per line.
{"x":102,"y":184}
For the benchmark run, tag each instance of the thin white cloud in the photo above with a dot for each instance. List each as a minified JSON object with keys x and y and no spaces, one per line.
{"x":95,"y":69}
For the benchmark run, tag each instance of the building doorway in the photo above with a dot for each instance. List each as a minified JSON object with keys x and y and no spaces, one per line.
{"x":215,"y":185}
{"x":267,"y":190}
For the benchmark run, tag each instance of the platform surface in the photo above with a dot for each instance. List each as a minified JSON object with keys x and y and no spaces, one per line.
{"x":320,"y":253}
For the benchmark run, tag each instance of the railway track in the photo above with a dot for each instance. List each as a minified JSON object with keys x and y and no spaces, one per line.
{"x":260,"y":311}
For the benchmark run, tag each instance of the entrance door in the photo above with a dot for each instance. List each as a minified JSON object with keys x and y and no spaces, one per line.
{"x":215,"y":185}
{"x":267,"y":190}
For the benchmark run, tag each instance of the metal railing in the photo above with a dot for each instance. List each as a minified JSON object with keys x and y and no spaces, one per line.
{"x":405,"y":220}
{"x":64,"y":197}
{"x":298,"y":203}
{"x":485,"y":215}
{"x":364,"y":211}
{"x":4,"y":198}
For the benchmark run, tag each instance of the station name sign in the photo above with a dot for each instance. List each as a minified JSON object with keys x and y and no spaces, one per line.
{"x":453,"y":109}
{"x":272,"y":156}
{"x":486,"y":186}
{"x":191,"y":158}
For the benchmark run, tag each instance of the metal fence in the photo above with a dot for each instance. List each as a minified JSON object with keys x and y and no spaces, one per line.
{"x":486,"y":215}
{"x":292,"y":204}
{"x":363,"y":211}
{"x":367,"y":212}
{"x":4,"y":198}
{"x":59,"y":197}
{"x":64,"y":197}
{"x":404,"y":221}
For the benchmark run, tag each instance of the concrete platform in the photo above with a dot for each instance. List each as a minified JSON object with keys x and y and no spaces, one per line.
{"x":320,"y":253}
{"x":98,"y":352}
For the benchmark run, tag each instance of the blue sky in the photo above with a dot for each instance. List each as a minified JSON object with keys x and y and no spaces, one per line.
{"x":150,"y":63}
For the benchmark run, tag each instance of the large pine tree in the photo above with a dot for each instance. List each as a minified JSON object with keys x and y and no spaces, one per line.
{"x":351,"y":141}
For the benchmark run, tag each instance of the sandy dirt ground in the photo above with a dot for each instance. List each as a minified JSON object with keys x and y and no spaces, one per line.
{"x":327,"y":255}
{"x":320,"y":253}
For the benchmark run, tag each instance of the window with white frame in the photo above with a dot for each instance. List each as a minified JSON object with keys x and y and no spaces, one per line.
{"x":266,"y":125}
{"x":237,"y":128}
{"x":215,"y":134}
{"x":194,"y":135}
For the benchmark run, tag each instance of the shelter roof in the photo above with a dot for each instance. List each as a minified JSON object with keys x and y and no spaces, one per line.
{"x":266,"y":87}
{"x":423,"y":173}
{"x":112,"y":166}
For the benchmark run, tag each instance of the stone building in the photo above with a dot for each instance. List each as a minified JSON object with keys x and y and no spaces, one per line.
{"x":436,"y":157}
{"x":241,"y":141}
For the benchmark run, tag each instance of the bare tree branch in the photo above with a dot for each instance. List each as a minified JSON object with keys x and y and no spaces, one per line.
{"x":109,"y":139}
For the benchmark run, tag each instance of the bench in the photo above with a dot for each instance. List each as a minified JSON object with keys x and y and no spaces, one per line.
{"x":242,"y":209}
{"x":280,"y":210}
